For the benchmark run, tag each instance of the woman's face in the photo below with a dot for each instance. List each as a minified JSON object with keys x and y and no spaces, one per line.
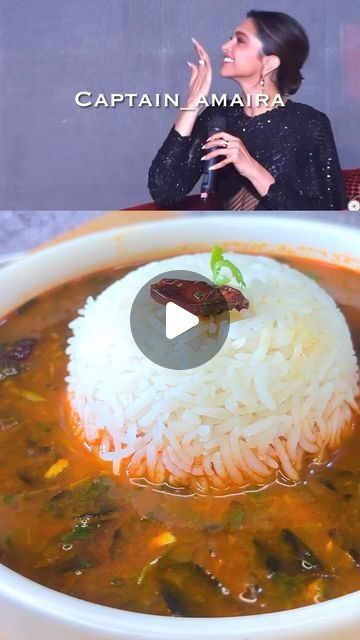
{"x":242,"y":53}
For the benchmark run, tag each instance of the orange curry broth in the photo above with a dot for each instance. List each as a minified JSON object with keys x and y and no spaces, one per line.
{"x":75,"y":528}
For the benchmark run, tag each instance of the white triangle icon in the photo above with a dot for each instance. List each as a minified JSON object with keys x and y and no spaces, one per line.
{"x":178,"y":320}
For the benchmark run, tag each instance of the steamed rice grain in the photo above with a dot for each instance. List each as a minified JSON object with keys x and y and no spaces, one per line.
{"x":281,"y":390}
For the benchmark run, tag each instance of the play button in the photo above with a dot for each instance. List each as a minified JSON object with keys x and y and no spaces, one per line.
{"x":178,"y":320}
{"x":171,"y":335}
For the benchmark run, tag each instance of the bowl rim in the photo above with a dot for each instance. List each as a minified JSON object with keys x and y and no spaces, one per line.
{"x":83,"y":613}
{"x":71,"y":609}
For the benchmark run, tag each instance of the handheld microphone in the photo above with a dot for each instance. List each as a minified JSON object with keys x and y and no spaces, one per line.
{"x":215,"y":125}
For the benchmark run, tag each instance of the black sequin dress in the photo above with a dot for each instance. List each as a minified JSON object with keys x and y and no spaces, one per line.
{"x":294,"y":143}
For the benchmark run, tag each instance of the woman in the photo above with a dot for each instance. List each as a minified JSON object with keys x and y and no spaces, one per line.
{"x":276,"y":158}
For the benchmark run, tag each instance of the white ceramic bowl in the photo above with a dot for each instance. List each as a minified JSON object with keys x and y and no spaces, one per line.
{"x":29,"y":610}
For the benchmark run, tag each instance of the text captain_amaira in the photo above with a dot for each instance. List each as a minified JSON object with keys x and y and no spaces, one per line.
{"x":89,"y":99}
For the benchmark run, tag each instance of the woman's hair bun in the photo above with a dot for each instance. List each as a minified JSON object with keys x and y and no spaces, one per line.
{"x":283,"y":36}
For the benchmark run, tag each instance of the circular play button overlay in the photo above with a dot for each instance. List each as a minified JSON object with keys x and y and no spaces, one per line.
{"x":172,"y":323}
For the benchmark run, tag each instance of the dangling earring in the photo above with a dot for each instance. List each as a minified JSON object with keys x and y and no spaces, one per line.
{"x":262,"y":94}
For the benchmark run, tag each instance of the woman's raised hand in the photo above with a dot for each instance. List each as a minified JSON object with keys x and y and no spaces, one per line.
{"x":200,"y":79}
{"x":199,"y":86}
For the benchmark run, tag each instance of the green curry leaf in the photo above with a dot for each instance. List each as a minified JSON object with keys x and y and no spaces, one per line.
{"x":218,"y":263}
{"x":81,"y":531}
{"x":234,"y":517}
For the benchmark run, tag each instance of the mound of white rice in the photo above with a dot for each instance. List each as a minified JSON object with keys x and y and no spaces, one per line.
{"x":281,"y":390}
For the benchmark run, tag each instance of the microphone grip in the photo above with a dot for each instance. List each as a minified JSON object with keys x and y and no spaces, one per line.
{"x":208,"y":177}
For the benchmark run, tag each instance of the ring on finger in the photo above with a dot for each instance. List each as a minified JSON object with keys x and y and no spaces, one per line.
{"x":226,"y":142}
{"x":201,"y":61}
